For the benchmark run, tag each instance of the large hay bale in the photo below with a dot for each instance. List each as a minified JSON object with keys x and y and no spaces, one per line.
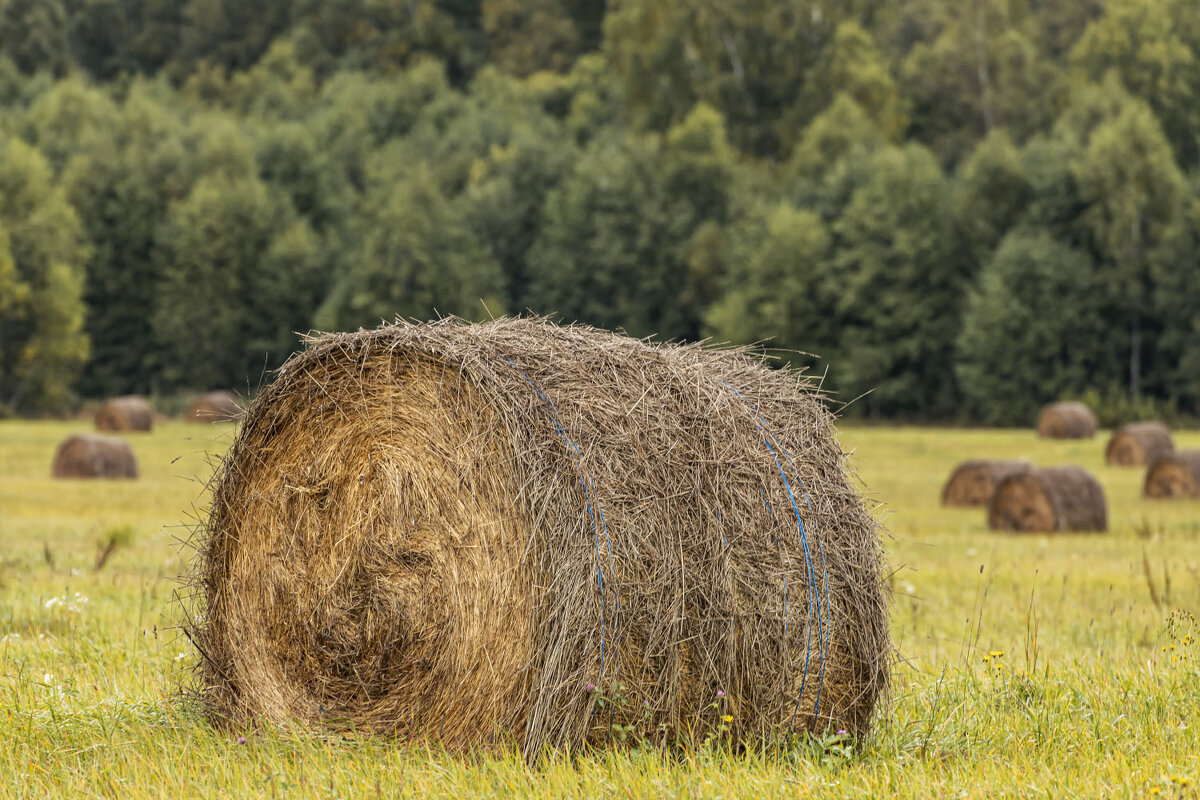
{"x":450,"y":530}
{"x":1138,"y":444}
{"x":1175,"y":475}
{"x":1068,"y":420}
{"x":974,"y":482}
{"x":220,"y":406}
{"x":130,"y":412}
{"x":1049,"y":500}
{"x":86,"y":455}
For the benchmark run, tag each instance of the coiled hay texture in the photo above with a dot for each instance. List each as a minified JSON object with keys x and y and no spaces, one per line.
{"x":1069,"y":420}
{"x":1176,"y":475}
{"x":1048,"y":501}
{"x":449,"y":530}
{"x":1138,"y":443}
{"x":86,"y":455}
{"x":974,"y":482}
{"x":128,"y":413}
{"x":218,"y":406}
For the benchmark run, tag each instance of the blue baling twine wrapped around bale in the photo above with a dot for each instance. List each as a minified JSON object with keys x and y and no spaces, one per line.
{"x":822,"y":646}
{"x":597,"y":515}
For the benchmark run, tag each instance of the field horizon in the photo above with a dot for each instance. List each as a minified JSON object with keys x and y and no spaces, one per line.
{"x":1026,"y":665}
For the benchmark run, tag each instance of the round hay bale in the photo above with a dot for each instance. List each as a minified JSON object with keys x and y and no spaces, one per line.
{"x":1138,"y":444}
{"x":1049,"y":500}
{"x":1175,"y":475}
{"x":128,"y":413}
{"x":86,"y":455}
{"x":974,"y":482}
{"x":218,"y":406}
{"x":451,"y":531}
{"x":1069,"y":420}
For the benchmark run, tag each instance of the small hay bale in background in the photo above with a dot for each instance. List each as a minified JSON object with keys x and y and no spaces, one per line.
{"x":1138,"y":443}
{"x":86,"y":455}
{"x":974,"y":482}
{"x":220,"y":406}
{"x":1049,"y":500}
{"x":130,"y":412}
{"x":1175,"y":475}
{"x":450,"y":530}
{"x":1067,"y":420}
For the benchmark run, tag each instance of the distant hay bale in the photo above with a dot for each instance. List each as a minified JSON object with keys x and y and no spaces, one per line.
{"x":130,"y":412}
{"x":449,"y":531}
{"x":1049,"y":500}
{"x":974,"y":482}
{"x":1068,"y":420}
{"x":86,"y":455}
{"x":1138,"y":444}
{"x":1175,"y":475}
{"x":218,"y":406}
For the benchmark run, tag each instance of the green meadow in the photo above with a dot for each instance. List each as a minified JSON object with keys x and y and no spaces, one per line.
{"x":1026,"y":665}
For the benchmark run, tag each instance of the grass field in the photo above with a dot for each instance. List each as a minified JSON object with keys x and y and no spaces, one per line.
{"x":1097,"y":693}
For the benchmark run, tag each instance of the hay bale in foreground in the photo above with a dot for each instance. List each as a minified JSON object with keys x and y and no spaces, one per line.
{"x":86,"y":455}
{"x":1068,"y":420}
{"x":220,"y":406}
{"x":1175,"y":475}
{"x":450,"y":530}
{"x":972,"y":483}
{"x":1048,"y":501}
{"x":130,"y":412}
{"x":1138,"y":444}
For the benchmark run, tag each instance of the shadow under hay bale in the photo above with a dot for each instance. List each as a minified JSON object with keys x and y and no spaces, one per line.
{"x":1068,"y":420}
{"x":1175,"y":475}
{"x":218,"y":406}
{"x":86,"y":455}
{"x":1048,"y":501}
{"x":450,"y":530}
{"x":128,"y":413}
{"x":1138,"y":444}
{"x":973,"y":483}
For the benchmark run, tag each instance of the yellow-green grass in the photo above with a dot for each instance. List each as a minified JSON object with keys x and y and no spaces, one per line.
{"x":1087,"y":702}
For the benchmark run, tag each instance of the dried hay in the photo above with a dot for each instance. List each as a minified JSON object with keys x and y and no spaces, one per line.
{"x":1138,"y":444}
{"x":1175,"y":475}
{"x":1069,"y":420}
{"x":220,"y":406}
{"x":130,"y":412}
{"x":974,"y":482}
{"x":86,"y":455}
{"x":1049,"y":500}
{"x":449,"y":531}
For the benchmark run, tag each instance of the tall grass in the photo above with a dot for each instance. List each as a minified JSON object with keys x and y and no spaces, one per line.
{"x":1029,"y":665}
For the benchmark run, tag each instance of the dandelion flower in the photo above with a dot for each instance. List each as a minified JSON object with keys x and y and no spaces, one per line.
{"x":727,"y":718}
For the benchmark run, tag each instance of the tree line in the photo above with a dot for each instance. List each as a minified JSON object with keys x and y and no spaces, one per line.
{"x":962,"y":210}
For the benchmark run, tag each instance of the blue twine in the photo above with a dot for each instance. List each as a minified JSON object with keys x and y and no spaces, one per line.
{"x":590,"y":499}
{"x":813,"y":593}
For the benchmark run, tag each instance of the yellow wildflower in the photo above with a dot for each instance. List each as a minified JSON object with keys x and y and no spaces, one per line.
{"x":728,"y":718}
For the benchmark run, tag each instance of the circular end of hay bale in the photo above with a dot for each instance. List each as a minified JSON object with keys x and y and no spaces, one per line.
{"x":449,"y":531}
{"x":972,"y":483}
{"x":1048,"y":501}
{"x":1066,"y":420}
{"x":1138,"y":443}
{"x":87,"y":455}
{"x":385,"y":585}
{"x":127,"y":413}
{"x":220,"y":406}
{"x":1174,"y":476}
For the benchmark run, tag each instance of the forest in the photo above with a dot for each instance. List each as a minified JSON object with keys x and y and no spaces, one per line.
{"x":961,"y":210}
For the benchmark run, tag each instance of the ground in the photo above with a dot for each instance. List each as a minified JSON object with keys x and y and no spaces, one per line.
{"x":1052,"y":666}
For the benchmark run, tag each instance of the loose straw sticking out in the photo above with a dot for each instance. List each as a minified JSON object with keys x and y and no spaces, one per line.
{"x":449,"y":530}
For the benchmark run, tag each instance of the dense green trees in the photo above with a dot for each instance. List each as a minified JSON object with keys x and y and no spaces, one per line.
{"x":953,"y":210}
